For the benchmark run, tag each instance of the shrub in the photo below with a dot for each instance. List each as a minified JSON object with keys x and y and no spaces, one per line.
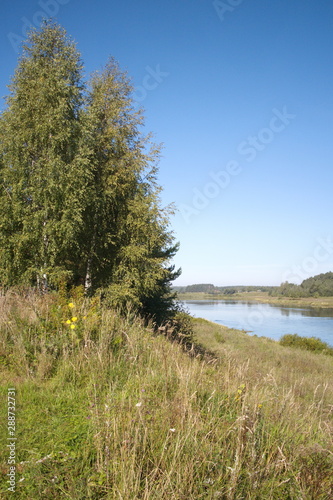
{"x":313,"y":344}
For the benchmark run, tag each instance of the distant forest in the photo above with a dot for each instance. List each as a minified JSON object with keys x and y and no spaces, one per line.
{"x":218,"y":290}
{"x":316,"y":286}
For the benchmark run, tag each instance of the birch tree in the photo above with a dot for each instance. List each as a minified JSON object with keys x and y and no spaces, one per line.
{"x":42,"y":176}
{"x":79,"y":198}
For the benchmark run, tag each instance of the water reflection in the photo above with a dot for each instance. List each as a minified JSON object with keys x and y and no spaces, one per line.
{"x":265,"y":319}
{"x":285,"y":312}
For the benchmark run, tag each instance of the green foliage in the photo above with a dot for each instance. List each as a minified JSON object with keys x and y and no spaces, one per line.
{"x":79,"y":201}
{"x":320,"y":285}
{"x":200,"y":288}
{"x":308,"y":343}
{"x":41,"y":174}
{"x":184,"y":327}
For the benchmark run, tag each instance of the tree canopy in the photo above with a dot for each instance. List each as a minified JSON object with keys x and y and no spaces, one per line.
{"x":79,"y":199}
{"x":320,"y":285}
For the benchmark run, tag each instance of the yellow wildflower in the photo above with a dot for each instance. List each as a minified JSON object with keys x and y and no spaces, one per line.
{"x":73,"y":327}
{"x":68,"y":322}
{"x":74,"y":318}
{"x":71,"y":305}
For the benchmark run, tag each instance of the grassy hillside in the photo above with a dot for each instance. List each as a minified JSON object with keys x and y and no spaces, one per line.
{"x":106,"y":409}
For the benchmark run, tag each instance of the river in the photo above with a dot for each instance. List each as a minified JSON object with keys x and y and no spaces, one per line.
{"x":265,"y":319}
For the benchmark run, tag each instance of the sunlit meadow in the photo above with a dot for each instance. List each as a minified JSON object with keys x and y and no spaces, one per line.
{"x":108,"y":409}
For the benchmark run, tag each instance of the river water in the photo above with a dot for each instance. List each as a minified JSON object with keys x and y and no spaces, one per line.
{"x":265,"y":319}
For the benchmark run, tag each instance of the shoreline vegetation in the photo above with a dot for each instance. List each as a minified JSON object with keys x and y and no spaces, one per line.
{"x":262,"y":297}
{"x":107,"y":408}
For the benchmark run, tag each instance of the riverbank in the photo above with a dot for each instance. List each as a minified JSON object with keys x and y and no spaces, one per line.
{"x":264,"y":298}
{"x":106,"y":408}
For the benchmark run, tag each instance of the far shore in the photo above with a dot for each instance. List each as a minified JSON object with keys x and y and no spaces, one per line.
{"x":263,"y":298}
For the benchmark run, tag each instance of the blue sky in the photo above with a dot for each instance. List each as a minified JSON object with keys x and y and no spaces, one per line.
{"x":240,"y":93}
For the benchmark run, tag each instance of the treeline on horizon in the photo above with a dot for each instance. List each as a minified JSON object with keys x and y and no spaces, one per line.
{"x":225,"y":290}
{"x":79,"y":199}
{"x":320,"y":285}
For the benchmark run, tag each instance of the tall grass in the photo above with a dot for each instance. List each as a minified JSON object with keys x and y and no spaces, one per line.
{"x":106,"y":409}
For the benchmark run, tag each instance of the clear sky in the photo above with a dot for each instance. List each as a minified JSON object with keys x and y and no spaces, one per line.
{"x":241,"y":94}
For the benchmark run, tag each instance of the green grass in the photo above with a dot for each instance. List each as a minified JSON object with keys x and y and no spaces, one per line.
{"x":109,"y":410}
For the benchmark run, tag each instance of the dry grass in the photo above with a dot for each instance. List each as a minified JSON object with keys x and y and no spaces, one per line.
{"x":108,"y":410}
